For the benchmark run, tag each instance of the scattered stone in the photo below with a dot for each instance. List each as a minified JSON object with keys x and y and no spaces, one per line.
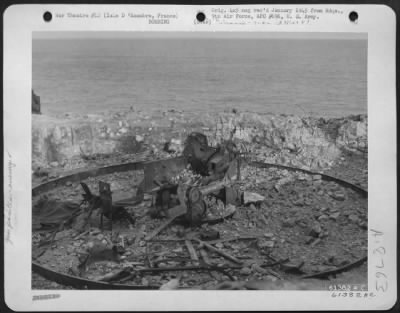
{"x":303,"y":223}
{"x":257,"y":268}
{"x":317,"y":177}
{"x":315,"y":230}
{"x":95,"y":231}
{"x":171,"y":285}
{"x":252,"y":207}
{"x":292,"y":267}
{"x":270,"y":278}
{"x":339,"y":196}
{"x":363,"y":225}
{"x":298,"y":202}
{"x":54,"y":164}
{"x":269,"y":235}
{"x":245,"y":271}
{"x":347,"y":212}
{"x":323,"y":234}
{"x":288,"y":222}
{"x":353,"y":218}
{"x":139,"y":138}
{"x":315,"y":242}
{"x":147,"y":197}
{"x":334,"y":216}
{"x":360,"y":210}
{"x":262,"y":244}
{"x":130,"y":240}
{"x":145,"y":282}
{"x":252,"y":197}
{"x":323,"y":217}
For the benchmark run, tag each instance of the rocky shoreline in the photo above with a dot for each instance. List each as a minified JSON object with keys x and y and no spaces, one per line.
{"x":306,"y":142}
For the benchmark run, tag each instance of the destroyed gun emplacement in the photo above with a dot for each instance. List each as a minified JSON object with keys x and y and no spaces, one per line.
{"x":181,"y":182}
{"x":201,"y":170}
{"x":271,"y":202}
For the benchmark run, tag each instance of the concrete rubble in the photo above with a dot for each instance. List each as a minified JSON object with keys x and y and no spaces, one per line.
{"x":287,"y":223}
{"x":298,"y":141}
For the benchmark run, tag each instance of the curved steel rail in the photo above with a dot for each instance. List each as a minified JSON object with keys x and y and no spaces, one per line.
{"x":80,"y":283}
{"x":78,"y":176}
{"x":342,"y":182}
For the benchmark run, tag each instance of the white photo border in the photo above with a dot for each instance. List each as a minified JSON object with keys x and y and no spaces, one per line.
{"x":20,"y":21}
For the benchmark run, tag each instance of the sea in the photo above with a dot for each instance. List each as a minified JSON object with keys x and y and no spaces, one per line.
{"x":314,"y":77}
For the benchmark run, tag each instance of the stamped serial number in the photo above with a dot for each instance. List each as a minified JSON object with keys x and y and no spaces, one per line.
{"x":347,"y":287}
{"x":351,"y":294}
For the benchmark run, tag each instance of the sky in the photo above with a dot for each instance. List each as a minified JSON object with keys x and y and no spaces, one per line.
{"x":219,"y":35}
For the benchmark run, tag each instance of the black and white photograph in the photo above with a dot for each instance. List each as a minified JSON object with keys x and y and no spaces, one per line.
{"x":200,"y":158}
{"x":207,"y":161}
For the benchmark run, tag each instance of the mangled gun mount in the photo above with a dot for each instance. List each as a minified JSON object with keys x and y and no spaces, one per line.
{"x":213,"y":163}
{"x":157,"y":180}
{"x":104,"y":203}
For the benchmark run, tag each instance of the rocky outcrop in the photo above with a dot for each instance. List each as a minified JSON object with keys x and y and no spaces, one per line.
{"x":56,"y":140}
{"x":35,"y":103}
{"x":310,"y":142}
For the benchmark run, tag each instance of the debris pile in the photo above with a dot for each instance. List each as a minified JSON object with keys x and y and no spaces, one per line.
{"x":198,"y":220}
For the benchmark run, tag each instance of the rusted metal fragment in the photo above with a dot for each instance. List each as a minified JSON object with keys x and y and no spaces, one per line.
{"x":192,"y":251}
{"x":338,"y":270}
{"x":105,"y":204}
{"x":174,"y":213}
{"x":208,"y":235}
{"x":204,"y":256}
{"x":232,"y":196}
{"x":81,"y":283}
{"x":79,"y":176}
{"x":213,"y":242}
{"x":220,"y":252}
{"x":344,"y":183}
{"x":189,"y":268}
{"x":196,"y":207}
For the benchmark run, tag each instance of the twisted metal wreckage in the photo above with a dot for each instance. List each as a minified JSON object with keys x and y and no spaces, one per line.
{"x":217,"y":168}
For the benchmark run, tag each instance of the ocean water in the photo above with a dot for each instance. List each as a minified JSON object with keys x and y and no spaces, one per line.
{"x":306,"y":77}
